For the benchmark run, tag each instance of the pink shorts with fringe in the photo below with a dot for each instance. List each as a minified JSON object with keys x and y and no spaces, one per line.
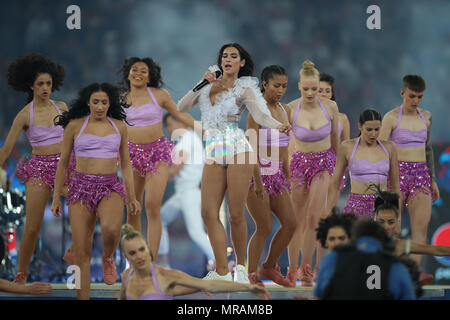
{"x":145,"y":158}
{"x":305,"y":167}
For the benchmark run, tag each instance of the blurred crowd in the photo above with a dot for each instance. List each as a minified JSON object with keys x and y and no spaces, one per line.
{"x":368,"y":64}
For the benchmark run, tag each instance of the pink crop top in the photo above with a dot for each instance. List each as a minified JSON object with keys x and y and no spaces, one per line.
{"x":265,"y":135}
{"x":145,"y":115}
{"x":43,"y":136}
{"x":405,"y":138}
{"x":308,"y":135}
{"x":367,"y":171}
{"x":149,"y":296}
{"x":92,"y":146}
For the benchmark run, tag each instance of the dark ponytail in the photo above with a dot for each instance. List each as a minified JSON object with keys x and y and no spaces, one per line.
{"x":369,"y":115}
{"x":79,"y":107}
{"x":385,"y":200}
{"x":249,"y":66}
{"x":271,"y":71}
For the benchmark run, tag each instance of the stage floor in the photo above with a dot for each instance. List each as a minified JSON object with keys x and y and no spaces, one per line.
{"x":101,"y":291}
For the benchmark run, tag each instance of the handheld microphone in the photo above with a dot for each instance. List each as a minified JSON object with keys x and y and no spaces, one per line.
{"x":205,"y":82}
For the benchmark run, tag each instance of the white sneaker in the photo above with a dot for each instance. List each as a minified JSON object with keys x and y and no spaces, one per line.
{"x":213,"y":275}
{"x":240,"y":274}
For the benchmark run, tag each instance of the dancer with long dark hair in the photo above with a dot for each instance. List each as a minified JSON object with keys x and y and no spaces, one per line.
{"x":94,"y":130}
{"x":369,"y":161}
{"x":228,"y":165}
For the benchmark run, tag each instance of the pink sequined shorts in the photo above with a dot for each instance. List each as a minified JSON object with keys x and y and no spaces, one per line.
{"x":146,"y":157}
{"x":90,"y":189}
{"x":272,"y":176}
{"x":414,"y":177}
{"x":305,"y":167}
{"x":362,"y":205}
{"x":43,"y":169}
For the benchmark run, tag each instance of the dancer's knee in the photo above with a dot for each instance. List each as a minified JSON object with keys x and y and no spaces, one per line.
{"x":264,"y":230}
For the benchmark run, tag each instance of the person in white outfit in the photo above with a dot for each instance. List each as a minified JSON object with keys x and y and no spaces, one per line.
{"x":186,"y":173}
{"x":229,"y":155}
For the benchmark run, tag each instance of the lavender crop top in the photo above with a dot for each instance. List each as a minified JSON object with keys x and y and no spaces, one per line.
{"x":92,"y":146}
{"x":308,"y":135}
{"x":149,"y":296}
{"x":145,"y":115}
{"x":405,"y":138}
{"x":265,"y":135}
{"x":43,"y":136}
{"x":367,"y":171}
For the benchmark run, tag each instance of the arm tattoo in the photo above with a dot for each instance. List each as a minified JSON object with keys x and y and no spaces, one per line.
{"x":429,"y":153}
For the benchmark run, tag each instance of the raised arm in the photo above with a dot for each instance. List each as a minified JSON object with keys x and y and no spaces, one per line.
{"x":189,"y":100}
{"x":19,"y":124}
{"x":172,"y":108}
{"x":255,"y":106}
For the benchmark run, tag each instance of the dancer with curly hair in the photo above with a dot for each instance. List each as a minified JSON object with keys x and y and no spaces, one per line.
{"x":335,"y":229}
{"x":38,"y":76}
{"x":150,"y":152}
{"x":369,"y":161}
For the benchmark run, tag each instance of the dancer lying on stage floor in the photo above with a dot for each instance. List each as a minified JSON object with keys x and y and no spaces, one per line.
{"x":146,"y":281}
